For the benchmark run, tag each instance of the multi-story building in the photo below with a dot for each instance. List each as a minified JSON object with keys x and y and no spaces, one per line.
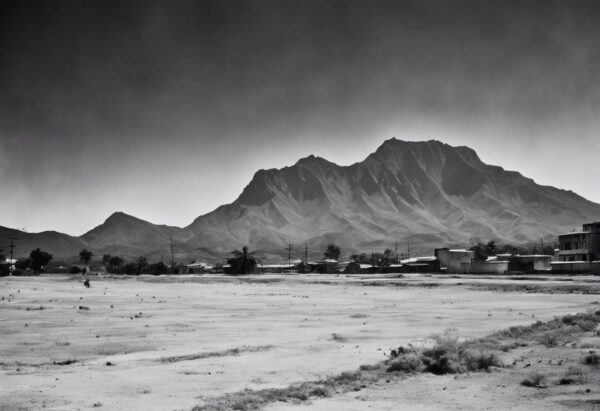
{"x":580,"y":245}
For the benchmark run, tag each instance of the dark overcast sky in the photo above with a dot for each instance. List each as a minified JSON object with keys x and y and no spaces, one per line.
{"x":166,"y":109}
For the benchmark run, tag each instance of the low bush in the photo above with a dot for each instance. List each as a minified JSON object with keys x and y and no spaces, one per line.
{"x":446,"y":356}
{"x":535,"y":379}
{"x":406,"y":363}
{"x":573,"y":375}
{"x":592,"y":359}
{"x":481,"y":361}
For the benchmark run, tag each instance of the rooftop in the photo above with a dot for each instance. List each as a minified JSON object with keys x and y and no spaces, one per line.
{"x":574,"y":233}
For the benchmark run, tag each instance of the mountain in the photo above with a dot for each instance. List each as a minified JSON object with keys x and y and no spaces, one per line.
{"x":125,"y":234}
{"x":58,"y":244}
{"x":428,"y":194}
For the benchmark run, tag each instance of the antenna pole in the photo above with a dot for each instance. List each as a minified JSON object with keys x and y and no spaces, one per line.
{"x":172,"y":256}
{"x":12,"y":247}
{"x":305,"y":253}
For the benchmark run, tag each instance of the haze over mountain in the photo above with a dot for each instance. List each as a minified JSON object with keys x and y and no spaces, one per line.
{"x":427,"y":193}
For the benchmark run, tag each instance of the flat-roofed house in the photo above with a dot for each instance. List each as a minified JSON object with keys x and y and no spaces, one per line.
{"x":452,"y":260}
{"x":580,"y":245}
{"x":593,"y":240}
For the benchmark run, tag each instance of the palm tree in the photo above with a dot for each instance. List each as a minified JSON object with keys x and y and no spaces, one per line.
{"x":85,"y":257}
{"x":243,"y":262}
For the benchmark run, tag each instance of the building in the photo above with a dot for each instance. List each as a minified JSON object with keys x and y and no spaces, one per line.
{"x":451,"y":261}
{"x":580,"y":245}
{"x":537,"y":263}
{"x":594,"y":239}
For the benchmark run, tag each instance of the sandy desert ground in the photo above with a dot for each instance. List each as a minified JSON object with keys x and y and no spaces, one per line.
{"x":171,"y":343}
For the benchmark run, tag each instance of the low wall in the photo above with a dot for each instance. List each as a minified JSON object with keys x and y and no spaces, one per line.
{"x":483,"y":267}
{"x":576,"y":267}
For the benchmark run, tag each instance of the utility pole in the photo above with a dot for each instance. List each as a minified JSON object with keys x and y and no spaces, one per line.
{"x":408,"y":249}
{"x":12,"y":247}
{"x":172,"y":256}
{"x":396,"y":252}
{"x":305,"y":253}
{"x":289,"y":249}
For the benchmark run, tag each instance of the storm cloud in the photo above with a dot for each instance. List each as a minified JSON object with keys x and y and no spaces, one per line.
{"x":166,"y":109}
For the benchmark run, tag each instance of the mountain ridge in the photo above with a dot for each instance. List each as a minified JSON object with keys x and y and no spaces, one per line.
{"x":428,"y":193}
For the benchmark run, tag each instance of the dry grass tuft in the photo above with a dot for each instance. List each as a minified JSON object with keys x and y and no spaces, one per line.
{"x":535,"y":379}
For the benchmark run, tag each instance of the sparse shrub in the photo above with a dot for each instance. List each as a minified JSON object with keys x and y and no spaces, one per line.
{"x":549,"y":339}
{"x":368,"y":367}
{"x":573,"y":375}
{"x":319,"y":391}
{"x":398,"y":351}
{"x":347,"y":376}
{"x":129,"y":269}
{"x":74,"y":270}
{"x":481,"y":361}
{"x":592,"y":359}
{"x":587,"y":325}
{"x":406,"y":363}
{"x":443,"y":357}
{"x":535,"y":379}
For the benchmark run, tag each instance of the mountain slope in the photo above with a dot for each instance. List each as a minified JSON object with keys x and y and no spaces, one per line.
{"x":125,"y":234}
{"x":428,"y":193}
{"x":58,"y":244}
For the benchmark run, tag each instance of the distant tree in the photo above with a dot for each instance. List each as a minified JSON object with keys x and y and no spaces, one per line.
{"x":74,"y":270}
{"x":333,"y":252}
{"x":242,"y":262}
{"x":114,"y":264}
{"x":4,"y":270}
{"x":85,"y":257}
{"x":106,"y":260}
{"x":482,"y":251}
{"x":38,"y":260}
{"x":479,"y":253}
{"x":129,"y":268}
{"x":491,"y":248}
{"x":388,"y":258}
{"x":23,"y":264}
{"x":158,"y":268}
{"x":142,"y":264}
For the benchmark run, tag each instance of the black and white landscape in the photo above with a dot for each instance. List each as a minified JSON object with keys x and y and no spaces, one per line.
{"x":299,"y":205}
{"x":425,"y":193}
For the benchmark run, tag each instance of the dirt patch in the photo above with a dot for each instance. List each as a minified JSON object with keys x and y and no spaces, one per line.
{"x":224,"y":353}
{"x":448,"y":355}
